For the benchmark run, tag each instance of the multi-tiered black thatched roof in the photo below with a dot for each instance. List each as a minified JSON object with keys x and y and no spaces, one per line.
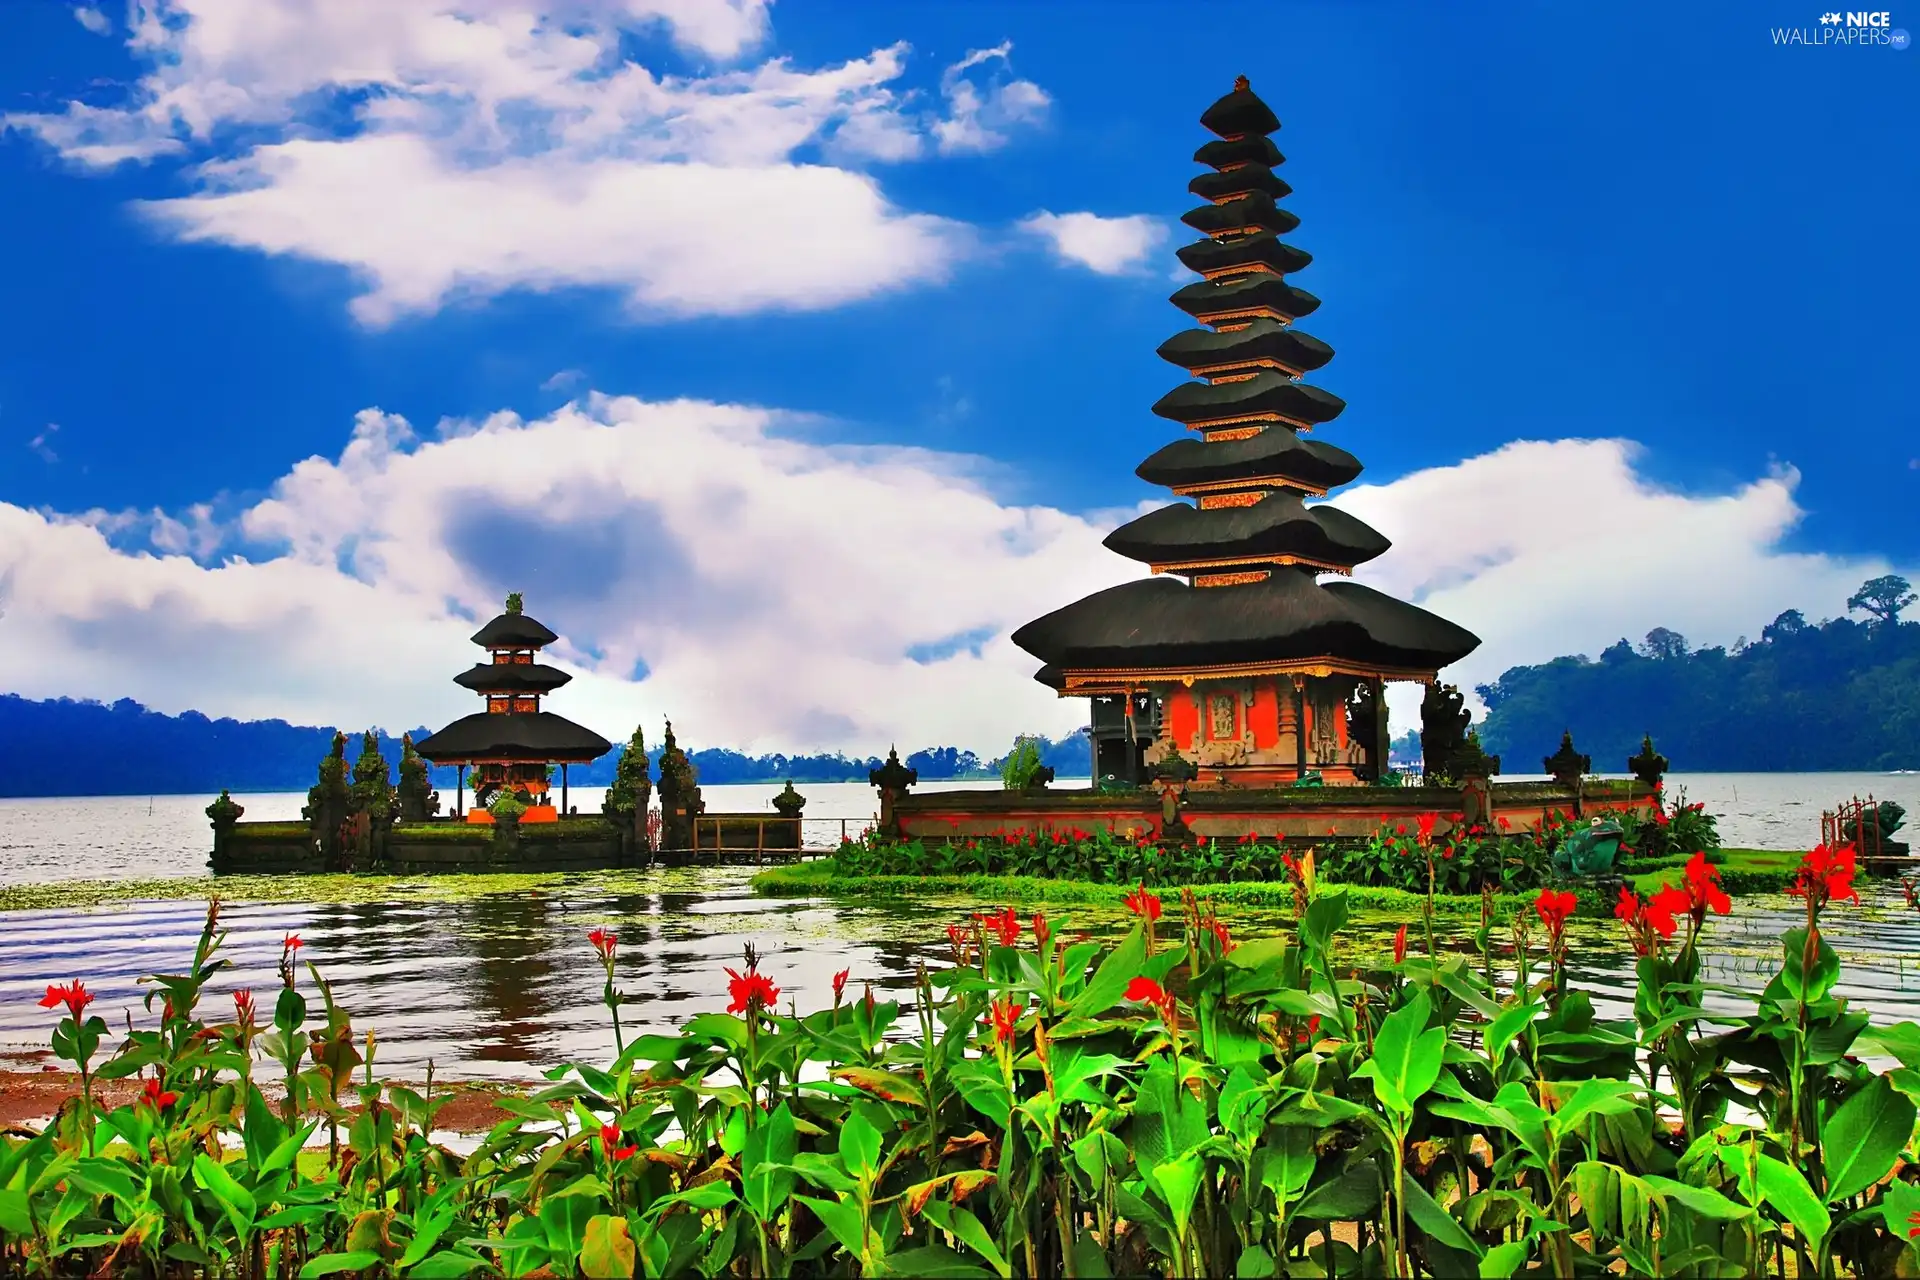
{"x":1244,"y":556}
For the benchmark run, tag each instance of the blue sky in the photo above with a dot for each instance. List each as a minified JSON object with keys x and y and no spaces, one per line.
{"x":1674,"y":257}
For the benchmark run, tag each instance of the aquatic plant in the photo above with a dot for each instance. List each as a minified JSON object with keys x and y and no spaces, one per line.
{"x":1048,"y":1105}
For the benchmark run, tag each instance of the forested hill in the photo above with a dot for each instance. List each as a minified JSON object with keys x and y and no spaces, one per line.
{"x":1836,"y":695}
{"x":63,"y":747}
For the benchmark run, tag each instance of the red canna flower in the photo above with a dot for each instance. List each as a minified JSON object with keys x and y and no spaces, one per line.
{"x":1147,"y":991}
{"x":1220,"y":934}
{"x":751,"y":991}
{"x":1703,"y":889}
{"x":1005,"y":1019}
{"x":610,"y":1144}
{"x":604,"y":941}
{"x":1651,"y":922}
{"x":1667,"y":902}
{"x":1400,"y":945}
{"x":1005,"y":926}
{"x":1425,"y":824}
{"x":1913,"y":1225}
{"x":1554,"y":906}
{"x":839,"y":985}
{"x":1400,"y":829}
{"x":157,"y":1097}
{"x":1143,"y":904}
{"x":291,"y":943}
{"x":243,"y":1014}
{"x":1826,"y":875}
{"x":1040,"y":931}
{"x":73,"y":995}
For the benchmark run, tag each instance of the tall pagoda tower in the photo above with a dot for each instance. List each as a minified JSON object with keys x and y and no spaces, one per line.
{"x":513,"y":742}
{"x":1235,"y":653}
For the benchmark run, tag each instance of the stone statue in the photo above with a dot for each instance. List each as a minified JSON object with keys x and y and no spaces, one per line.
{"x":328,"y":803}
{"x":680,"y":801}
{"x":417,"y":799}
{"x":629,"y":798}
{"x":1443,"y":729}
{"x":1590,"y":851}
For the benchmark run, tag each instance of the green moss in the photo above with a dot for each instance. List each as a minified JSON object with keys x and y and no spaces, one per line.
{"x":283,"y":888}
{"x":446,"y":832}
{"x":249,"y":830}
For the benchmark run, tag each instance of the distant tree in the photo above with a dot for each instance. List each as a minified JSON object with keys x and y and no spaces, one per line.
{"x":1883,"y":597}
{"x":1619,"y":651}
{"x":944,"y":762}
{"x":1664,"y":644}
{"x":1022,"y":763}
{"x":1790,"y":623}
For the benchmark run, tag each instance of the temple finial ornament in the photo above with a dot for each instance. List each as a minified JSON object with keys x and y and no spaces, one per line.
{"x":1241,"y":84}
{"x":1567,"y":765}
{"x":1649,"y":765}
{"x":514,"y":604}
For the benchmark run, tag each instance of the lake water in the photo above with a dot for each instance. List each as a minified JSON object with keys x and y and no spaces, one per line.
{"x":501,"y":985}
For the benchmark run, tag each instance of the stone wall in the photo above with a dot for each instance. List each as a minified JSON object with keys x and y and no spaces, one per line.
{"x":573,"y":844}
{"x":1294,"y":813}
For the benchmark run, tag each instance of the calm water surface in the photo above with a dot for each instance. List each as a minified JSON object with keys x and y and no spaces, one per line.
{"x":503,"y":985}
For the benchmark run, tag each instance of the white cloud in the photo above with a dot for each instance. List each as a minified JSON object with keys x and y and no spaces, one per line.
{"x":678,"y":238}
{"x":92,"y":19}
{"x":1546,"y":548}
{"x":42,"y":443}
{"x":982,"y":112}
{"x":773,"y":587}
{"x":490,"y":147}
{"x":1110,"y":246}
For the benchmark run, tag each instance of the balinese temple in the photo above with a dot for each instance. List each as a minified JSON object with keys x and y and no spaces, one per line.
{"x":1235,"y":652}
{"x":513,"y":743}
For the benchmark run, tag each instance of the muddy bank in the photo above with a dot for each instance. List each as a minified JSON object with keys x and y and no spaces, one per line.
{"x":30,"y":1095}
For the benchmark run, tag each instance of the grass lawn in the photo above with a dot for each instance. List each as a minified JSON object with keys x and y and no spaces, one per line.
{"x":1744,"y":871}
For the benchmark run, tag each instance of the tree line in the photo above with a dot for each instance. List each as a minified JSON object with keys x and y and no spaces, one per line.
{"x":1840,"y":694}
{"x":71,"y":747}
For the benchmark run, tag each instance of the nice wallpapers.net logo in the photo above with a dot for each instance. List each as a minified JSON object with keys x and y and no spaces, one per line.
{"x":1849,"y":30}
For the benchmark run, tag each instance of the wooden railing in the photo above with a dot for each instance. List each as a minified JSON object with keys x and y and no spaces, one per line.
{"x":764,"y":835}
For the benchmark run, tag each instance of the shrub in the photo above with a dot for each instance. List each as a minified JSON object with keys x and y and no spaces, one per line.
{"x":1178,"y":1103}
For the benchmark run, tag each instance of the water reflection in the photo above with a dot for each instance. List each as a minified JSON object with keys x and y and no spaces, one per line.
{"x":504,"y":985}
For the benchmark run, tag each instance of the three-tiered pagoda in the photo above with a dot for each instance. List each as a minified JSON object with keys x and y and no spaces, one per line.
{"x":1234,"y":653}
{"x":513,"y":743}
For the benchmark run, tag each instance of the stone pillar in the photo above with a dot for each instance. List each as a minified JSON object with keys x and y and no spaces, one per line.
{"x":1170,"y":779}
{"x":224,"y":813}
{"x":1300,"y":727}
{"x":788,"y":805}
{"x":892,"y":780}
{"x":1475,"y":771}
{"x":1381,"y":748}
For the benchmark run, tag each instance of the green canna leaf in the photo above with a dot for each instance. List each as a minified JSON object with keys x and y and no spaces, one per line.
{"x":1864,"y":1136}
